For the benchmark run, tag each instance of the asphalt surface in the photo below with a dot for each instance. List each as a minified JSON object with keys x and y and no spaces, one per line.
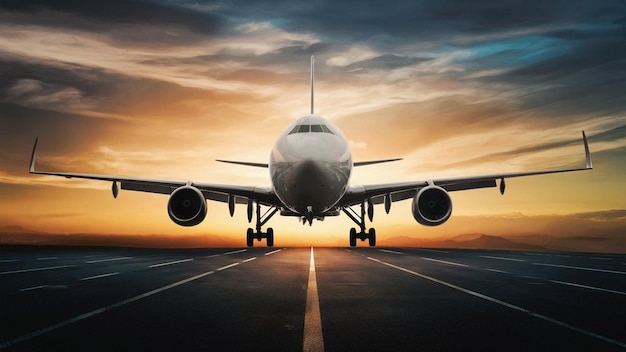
{"x":258,"y":299}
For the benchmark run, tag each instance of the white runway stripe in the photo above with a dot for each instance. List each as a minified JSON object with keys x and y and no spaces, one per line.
{"x":392,"y":252}
{"x":35,"y":269}
{"x":107,"y":260}
{"x":502,"y":258}
{"x":273,"y":252}
{"x":445,"y":262}
{"x":33,"y":288}
{"x":98,"y":276}
{"x":583,"y":268}
{"x":588,"y":287}
{"x":170,"y":263}
{"x":313,"y":340}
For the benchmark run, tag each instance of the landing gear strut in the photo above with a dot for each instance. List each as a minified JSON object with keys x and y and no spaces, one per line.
{"x":258,"y":235}
{"x":360,"y":220}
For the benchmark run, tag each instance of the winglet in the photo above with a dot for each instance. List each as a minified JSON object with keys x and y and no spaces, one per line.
{"x":31,"y":169}
{"x":312,"y":81}
{"x":587,"y":154}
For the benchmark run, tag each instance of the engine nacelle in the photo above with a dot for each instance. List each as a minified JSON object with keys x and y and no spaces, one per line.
{"x":431,"y":206}
{"x":187,"y":206}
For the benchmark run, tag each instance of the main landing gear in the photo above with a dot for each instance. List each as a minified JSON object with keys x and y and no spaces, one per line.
{"x":360,"y":220}
{"x":258,"y":235}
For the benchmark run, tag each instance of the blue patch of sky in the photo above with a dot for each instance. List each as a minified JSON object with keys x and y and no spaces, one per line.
{"x":514,"y":52}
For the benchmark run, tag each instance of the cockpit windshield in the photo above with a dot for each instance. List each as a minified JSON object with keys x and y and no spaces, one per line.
{"x":310,"y":128}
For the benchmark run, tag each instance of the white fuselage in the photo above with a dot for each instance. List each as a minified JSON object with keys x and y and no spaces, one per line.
{"x":310,"y":166}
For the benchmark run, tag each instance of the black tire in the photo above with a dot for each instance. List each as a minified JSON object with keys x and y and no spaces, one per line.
{"x":372,"y":237}
{"x":270,"y":237}
{"x":250,"y":237}
{"x":353,"y":237}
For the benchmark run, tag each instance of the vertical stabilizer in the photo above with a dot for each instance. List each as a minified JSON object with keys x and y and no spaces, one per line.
{"x":312,"y":82}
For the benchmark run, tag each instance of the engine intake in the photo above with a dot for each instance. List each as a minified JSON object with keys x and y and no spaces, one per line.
{"x":187,"y":206}
{"x":432,"y":206}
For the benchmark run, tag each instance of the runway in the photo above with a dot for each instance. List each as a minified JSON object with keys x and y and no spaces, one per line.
{"x":294,"y":299}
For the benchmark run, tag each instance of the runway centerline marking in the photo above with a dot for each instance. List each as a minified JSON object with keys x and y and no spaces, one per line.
{"x":582,"y":268}
{"x":273,"y":252}
{"x":9,"y":260}
{"x":249,"y":260}
{"x":502,"y":303}
{"x":445,"y":262}
{"x":98,"y":276}
{"x":35,"y":269}
{"x":502,"y":258}
{"x":48,"y":258}
{"x":392,"y":252}
{"x":313,"y":340}
{"x":107,"y":260}
{"x":235,"y":252}
{"x":171,"y":263}
{"x":78,"y":318}
{"x":588,"y":287}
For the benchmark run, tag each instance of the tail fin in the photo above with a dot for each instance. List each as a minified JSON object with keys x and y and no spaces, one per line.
{"x":312,"y":81}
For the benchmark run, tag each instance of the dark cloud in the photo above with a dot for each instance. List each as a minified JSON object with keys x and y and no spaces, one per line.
{"x":136,"y":22}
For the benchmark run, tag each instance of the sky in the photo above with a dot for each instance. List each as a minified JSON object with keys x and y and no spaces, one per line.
{"x":161,"y":89}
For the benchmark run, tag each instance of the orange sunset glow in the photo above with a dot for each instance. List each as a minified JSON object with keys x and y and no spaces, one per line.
{"x":166,"y":88}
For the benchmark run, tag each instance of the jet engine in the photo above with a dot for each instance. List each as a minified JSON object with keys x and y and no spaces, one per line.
{"x":431,"y":206}
{"x":187,"y":206}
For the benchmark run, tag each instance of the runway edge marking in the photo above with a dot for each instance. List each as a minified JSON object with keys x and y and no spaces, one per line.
{"x":313,"y":340}
{"x":505,"y":304}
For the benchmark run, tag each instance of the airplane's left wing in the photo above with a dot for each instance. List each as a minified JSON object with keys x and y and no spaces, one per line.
{"x":393,"y":192}
{"x":215,"y":192}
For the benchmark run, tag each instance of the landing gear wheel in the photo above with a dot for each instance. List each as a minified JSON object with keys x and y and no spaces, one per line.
{"x":270,"y":237}
{"x":353,"y":237}
{"x":372,"y":237}
{"x":250,"y":237}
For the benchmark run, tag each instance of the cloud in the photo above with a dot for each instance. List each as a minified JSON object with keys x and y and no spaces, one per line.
{"x":124,"y":20}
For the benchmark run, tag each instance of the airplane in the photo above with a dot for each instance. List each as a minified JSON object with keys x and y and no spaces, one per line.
{"x":309,"y":167}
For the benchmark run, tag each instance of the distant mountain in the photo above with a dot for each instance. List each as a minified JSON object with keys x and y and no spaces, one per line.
{"x":474,"y":241}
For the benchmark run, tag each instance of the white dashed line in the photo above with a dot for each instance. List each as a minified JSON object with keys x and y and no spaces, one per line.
{"x":9,"y":260}
{"x":33,"y":288}
{"x":235,"y":252}
{"x":249,"y":260}
{"x":313,"y":340}
{"x":98,"y":276}
{"x":502,"y":258}
{"x":588,"y":287}
{"x":582,"y":268}
{"x":35,"y":269}
{"x":445,"y":262}
{"x":227,"y":266}
{"x":107,"y":260}
{"x":497,"y":271}
{"x":48,"y":258}
{"x":505,"y":304}
{"x":392,"y":252}
{"x":170,"y":263}
{"x":600,"y":258}
{"x":273,"y":252}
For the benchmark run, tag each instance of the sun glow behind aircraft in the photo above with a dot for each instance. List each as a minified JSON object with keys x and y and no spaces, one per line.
{"x":310,"y":168}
